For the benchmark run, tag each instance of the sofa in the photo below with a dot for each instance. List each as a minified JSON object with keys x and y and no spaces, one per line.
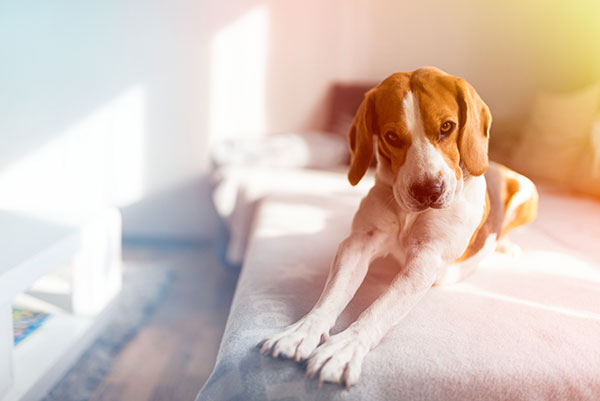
{"x":522,"y":327}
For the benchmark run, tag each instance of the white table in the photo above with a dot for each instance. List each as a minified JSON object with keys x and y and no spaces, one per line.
{"x":82,"y":256}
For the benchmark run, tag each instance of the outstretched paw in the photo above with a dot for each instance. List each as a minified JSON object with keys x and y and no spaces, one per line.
{"x":339,"y":359}
{"x":297,"y":341}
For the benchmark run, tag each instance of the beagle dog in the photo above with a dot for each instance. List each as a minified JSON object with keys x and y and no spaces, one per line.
{"x":438,"y":206}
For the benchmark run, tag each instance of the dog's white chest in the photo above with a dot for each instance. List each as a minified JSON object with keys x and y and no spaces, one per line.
{"x":400,"y":243}
{"x":454,"y":224}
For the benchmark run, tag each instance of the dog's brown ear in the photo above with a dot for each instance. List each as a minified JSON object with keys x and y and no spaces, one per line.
{"x":360,"y":138}
{"x":474,"y":133}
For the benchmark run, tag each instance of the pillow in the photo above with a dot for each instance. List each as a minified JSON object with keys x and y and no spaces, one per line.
{"x":585,"y":177}
{"x":313,"y":149}
{"x":345,"y":99}
{"x":558,"y":142}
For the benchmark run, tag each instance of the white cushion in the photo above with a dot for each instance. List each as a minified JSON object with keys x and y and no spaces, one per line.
{"x":558,"y":142}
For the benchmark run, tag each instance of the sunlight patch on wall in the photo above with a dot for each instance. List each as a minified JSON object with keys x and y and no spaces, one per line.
{"x":98,"y":161}
{"x":237,"y":83}
{"x":126,"y":182}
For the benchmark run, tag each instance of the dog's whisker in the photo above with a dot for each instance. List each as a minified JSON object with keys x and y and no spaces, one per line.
{"x":390,"y":200}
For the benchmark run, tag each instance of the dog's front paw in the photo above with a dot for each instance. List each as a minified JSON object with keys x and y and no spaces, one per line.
{"x":297,"y":341}
{"x":339,"y":359}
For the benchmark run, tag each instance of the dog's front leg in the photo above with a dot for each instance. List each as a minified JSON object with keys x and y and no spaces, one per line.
{"x":340,"y":358}
{"x":347,"y":272}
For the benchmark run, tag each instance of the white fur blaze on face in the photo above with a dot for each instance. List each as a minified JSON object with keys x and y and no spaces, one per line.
{"x":423,"y":163}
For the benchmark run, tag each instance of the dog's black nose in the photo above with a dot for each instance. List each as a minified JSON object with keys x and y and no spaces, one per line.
{"x":427,"y":192}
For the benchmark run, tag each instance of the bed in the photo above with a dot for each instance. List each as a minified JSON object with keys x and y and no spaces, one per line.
{"x":520,"y":328}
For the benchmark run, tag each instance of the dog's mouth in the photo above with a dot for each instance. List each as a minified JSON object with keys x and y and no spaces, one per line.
{"x":439,"y":205}
{"x":416,"y":206}
{"x":406,"y":202}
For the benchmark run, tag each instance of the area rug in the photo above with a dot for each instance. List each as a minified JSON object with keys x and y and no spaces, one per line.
{"x":143,"y":288}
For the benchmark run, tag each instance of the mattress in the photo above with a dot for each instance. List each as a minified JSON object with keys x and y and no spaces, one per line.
{"x":520,"y":328}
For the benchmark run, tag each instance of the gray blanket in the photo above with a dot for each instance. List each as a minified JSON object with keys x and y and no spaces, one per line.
{"x":525,"y":328}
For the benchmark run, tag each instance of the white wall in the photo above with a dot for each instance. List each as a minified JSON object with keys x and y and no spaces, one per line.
{"x":116,"y":101}
{"x":507,"y":49}
{"x":102,"y":102}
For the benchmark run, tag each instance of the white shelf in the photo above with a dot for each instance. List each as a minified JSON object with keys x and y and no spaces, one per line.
{"x":78,"y":262}
{"x":31,"y":247}
{"x":37,"y":362}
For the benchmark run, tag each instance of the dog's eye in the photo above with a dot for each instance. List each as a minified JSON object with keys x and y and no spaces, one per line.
{"x":393,"y":139}
{"x":446,"y":129}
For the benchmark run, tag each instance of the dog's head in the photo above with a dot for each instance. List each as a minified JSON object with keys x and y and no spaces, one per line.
{"x":430,"y":129}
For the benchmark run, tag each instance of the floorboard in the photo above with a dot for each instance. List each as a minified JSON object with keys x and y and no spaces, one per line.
{"x":172,"y":355}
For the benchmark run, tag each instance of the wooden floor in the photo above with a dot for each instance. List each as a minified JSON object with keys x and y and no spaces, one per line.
{"x":172,"y":355}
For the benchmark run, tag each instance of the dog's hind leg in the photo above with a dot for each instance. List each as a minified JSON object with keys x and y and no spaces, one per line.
{"x":458,"y":271}
{"x":507,"y":247}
